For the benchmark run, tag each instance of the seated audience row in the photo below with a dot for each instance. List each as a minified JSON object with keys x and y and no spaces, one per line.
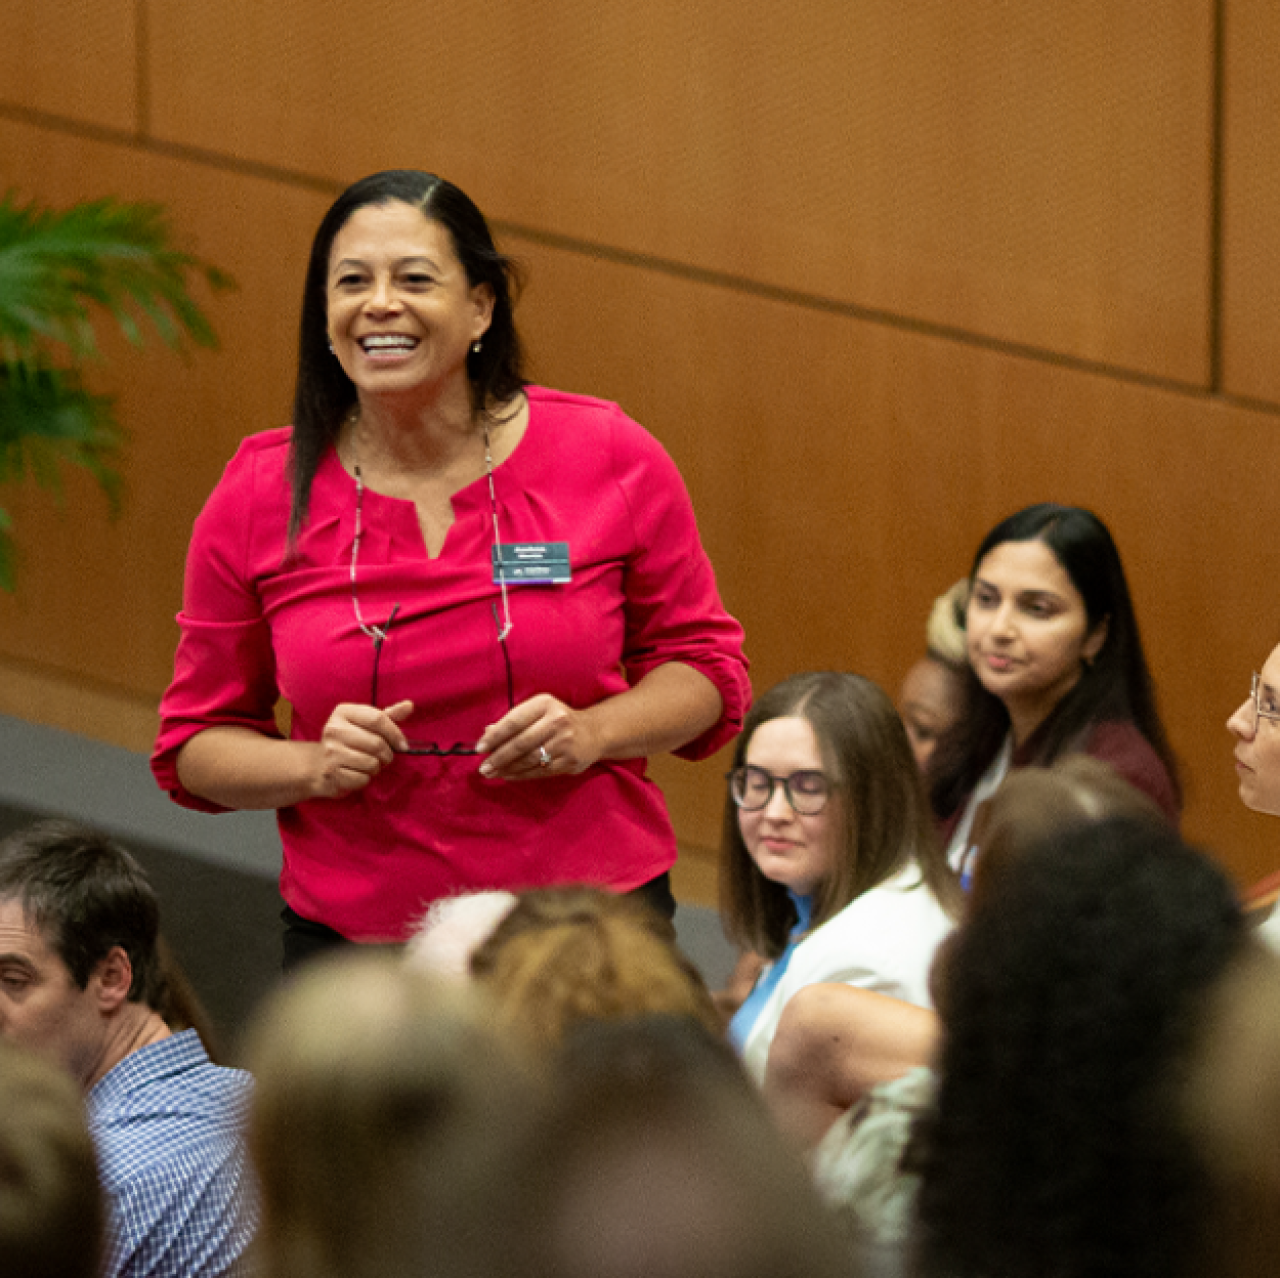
{"x":400,"y":1126}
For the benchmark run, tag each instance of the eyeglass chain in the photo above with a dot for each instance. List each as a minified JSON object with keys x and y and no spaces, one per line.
{"x":379,"y":633}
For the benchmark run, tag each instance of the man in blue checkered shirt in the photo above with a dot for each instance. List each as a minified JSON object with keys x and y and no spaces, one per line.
{"x":81,"y":982}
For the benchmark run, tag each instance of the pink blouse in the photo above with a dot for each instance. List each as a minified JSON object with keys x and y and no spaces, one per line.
{"x":255,"y":627}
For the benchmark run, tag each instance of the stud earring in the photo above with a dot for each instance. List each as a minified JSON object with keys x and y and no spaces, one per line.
{"x":331,"y":350}
{"x":475,"y":347}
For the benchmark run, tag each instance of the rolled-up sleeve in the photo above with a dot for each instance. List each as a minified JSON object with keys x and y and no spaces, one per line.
{"x":224,"y":670}
{"x":673,"y":607}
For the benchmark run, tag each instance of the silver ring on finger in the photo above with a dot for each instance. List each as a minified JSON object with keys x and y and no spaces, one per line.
{"x":544,"y":759}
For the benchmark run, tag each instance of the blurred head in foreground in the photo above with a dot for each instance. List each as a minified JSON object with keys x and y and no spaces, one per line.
{"x":452,"y":930}
{"x":562,"y":956}
{"x":51,"y":1212}
{"x":1233,"y":1106}
{"x":1068,"y":1000}
{"x":389,"y":1127}
{"x":661,"y":1162}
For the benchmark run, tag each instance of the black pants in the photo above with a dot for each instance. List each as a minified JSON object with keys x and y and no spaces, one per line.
{"x":304,"y":939}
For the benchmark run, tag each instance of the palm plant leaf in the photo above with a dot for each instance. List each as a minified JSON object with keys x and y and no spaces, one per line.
{"x":56,"y":266}
{"x":58,"y":269}
{"x":46,"y":417}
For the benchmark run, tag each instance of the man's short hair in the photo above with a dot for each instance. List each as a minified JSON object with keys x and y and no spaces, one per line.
{"x":51,"y":1209}
{"x":85,"y":894}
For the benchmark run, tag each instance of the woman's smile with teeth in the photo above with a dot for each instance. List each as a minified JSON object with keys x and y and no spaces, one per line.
{"x":388,"y":342}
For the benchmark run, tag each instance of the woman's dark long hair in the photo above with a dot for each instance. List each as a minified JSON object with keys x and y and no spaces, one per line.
{"x":325,"y":394}
{"x":1068,"y":1001}
{"x":1115,"y":686}
{"x":887,"y":826}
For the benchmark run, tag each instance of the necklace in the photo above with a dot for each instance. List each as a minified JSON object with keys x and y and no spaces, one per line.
{"x":379,"y":633}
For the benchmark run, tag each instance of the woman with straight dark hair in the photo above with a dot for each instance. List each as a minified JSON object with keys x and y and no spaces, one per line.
{"x":1055,"y":667}
{"x":830,"y":866}
{"x":458,"y":581}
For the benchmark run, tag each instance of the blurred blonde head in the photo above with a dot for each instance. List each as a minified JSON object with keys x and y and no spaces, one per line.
{"x":944,"y":631}
{"x":567,"y":955}
{"x":451,"y":930}
{"x":931,"y":698}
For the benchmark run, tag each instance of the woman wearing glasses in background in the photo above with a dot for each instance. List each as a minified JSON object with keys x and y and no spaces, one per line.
{"x":1256,"y":728}
{"x":1056,"y":667}
{"x":485,"y":602}
{"x":830,"y":865}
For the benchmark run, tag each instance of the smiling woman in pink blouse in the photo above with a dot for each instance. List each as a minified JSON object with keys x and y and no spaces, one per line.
{"x":486,"y":602}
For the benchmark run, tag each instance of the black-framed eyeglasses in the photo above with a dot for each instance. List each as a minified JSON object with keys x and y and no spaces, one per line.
{"x":379,"y":636}
{"x":751,"y":788}
{"x":1255,"y":695}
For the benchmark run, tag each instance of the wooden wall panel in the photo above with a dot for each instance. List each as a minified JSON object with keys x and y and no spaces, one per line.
{"x":1037,"y":174}
{"x":1008,"y":176}
{"x":844,"y":472}
{"x":77,"y":59}
{"x":1251,"y":201}
{"x":96,"y":598}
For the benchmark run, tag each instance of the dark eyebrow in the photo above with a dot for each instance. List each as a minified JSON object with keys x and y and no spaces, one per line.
{"x":402,"y":262}
{"x":18,"y":960}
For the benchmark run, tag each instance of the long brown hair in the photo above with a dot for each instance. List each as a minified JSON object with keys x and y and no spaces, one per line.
{"x":887,"y":825}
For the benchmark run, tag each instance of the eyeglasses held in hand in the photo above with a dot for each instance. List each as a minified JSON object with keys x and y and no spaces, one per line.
{"x":379,"y":636}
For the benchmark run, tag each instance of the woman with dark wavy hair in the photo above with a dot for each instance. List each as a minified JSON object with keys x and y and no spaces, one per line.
{"x":1068,"y":1001}
{"x":1056,"y":667}
{"x":458,"y":581}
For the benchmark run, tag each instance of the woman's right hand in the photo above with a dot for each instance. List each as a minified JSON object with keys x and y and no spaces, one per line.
{"x":357,"y":742}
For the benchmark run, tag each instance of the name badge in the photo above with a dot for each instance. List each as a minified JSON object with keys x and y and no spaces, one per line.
{"x":532,"y":563}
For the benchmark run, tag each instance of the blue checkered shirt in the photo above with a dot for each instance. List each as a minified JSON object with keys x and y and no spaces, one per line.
{"x":168,"y":1126}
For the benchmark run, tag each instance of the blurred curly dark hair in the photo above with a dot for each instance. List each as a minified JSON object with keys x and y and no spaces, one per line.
{"x":1068,"y":1001}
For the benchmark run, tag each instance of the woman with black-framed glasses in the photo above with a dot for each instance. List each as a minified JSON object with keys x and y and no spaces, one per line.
{"x":457,"y":581}
{"x":830,"y":866}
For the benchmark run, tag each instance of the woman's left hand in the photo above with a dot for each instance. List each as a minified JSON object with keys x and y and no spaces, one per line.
{"x":541,"y":737}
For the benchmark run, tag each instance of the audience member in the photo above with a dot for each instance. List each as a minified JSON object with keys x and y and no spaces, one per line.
{"x":1056,"y":668}
{"x":81,"y":982}
{"x":660,"y":1162}
{"x":1233,"y":1107}
{"x":835,"y":1043}
{"x":563,"y":956}
{"x":390,"y":1127}
{"x":1256,"y":728}
{"x":1068,"y":998}
{"x":830,"y":867}
{"x":452,"y":928}
{"x":51,"y":1209}
{"x":931,"y":698}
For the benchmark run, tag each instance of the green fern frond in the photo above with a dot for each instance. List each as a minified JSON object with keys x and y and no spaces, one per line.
{"x":59,"y":270}
{"x":48,"y":418}
{"x":57,"y":266}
